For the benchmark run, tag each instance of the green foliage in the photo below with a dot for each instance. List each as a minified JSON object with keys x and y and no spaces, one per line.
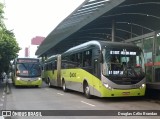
{"x":8,"y":44}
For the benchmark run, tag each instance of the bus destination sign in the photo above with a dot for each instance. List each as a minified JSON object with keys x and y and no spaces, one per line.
{"x":27,"y":60}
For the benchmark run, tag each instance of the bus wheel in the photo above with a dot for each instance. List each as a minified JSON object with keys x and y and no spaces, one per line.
{"x":49,"y":83}
{"x":64,"y":86}
{"x":87,"y":91}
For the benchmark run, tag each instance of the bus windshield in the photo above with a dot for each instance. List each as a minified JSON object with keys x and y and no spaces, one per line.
{"x":28,"y":69}
{"x":127,"y":63}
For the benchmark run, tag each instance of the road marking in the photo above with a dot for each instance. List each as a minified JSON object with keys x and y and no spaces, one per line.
{"x":3,"y":96}
{"x":46,"y":89}
{"x":88,"y":103}
{"x":60,"y":94}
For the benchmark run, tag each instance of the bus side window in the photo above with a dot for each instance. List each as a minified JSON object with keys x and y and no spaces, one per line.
{"x":86,"y":63}
{"x":53,"y":66}
{"x":47,"y":66}
{"x":87,"y":58}
{"x":79,"y":60}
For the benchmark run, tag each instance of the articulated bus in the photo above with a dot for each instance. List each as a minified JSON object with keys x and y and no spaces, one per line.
{"x":26,"y":72}
{"x":52,"y":71}
{"x":100,"y":68}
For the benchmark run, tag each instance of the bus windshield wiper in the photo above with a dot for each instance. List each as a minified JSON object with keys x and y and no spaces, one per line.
{"x":24,"y":66}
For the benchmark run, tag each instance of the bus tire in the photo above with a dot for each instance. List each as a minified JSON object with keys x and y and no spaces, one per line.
{"x":49,"y":83}
{"x":87,"y":90}
{"x":64,"y":86}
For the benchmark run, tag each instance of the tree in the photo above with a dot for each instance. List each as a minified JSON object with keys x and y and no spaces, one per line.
{"x":8,"y":44}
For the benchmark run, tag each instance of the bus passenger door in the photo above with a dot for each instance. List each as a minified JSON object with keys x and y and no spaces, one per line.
{"x":59,"y":70}
{"x":95,"y":67}
{"x":96,"y":73}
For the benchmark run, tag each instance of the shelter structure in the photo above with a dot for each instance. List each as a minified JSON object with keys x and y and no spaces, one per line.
{"x":134,"y":21}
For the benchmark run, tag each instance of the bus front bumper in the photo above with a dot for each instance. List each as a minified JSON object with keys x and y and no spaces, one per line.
{"x":123,"y":93}
{"x":35,"y":82}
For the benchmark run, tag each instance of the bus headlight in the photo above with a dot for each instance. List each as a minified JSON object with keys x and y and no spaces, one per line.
{"x":18,"y":78}
{"x":39,"y":78}
{"x":143,"y":85}
{"x":107,"y":86}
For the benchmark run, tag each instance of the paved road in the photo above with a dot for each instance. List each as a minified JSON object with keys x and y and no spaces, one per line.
{"x":46,"y":98}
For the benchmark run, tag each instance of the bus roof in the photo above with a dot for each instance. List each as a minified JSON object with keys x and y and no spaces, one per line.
{"x":52,"y":57}
{"x":23,"y":60}
{"x":26,"y":58}
{"x":102,"y":44}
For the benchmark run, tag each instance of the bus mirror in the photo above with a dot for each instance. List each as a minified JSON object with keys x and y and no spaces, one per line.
{"x":101,"y":58}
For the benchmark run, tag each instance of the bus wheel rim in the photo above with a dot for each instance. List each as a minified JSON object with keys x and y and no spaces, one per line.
{"x":87,"y":90}
{"x":64,"y":87}
{"x":49,"y":83}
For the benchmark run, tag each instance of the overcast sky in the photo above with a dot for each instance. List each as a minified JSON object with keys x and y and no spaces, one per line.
{"x":30,"y":18}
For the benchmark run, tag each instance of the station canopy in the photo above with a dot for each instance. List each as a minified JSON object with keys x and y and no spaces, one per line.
{"x":94,"y":20}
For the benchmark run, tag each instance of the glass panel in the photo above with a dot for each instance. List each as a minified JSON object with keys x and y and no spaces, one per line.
{"x":120,"y":62}
{"x":28,"y":69}
{"x":148,"y":50}
{"x":138,"y":43}
{"x":157,"y":59}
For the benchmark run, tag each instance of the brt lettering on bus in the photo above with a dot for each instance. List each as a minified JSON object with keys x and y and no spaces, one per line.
{"x":72,"y":74}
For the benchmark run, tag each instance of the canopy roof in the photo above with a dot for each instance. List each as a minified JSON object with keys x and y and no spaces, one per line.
{"x":93,"y":20}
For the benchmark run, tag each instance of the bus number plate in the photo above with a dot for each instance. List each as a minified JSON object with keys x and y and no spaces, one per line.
{"x":126,"y":93}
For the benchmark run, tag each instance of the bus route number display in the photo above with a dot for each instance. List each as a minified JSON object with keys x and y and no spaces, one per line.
{"x":123,"y":52}
{"x":26,"y":60}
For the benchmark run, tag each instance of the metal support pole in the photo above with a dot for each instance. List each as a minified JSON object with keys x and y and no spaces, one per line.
{"x":113,"y":30}
{"x":154,"y":56}
{"x":131,"y":30}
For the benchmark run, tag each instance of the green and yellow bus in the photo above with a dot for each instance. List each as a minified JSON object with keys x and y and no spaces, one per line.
{"x":26,"y":72}
{"x":100,"y":68}
{"x":52,"y":71}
